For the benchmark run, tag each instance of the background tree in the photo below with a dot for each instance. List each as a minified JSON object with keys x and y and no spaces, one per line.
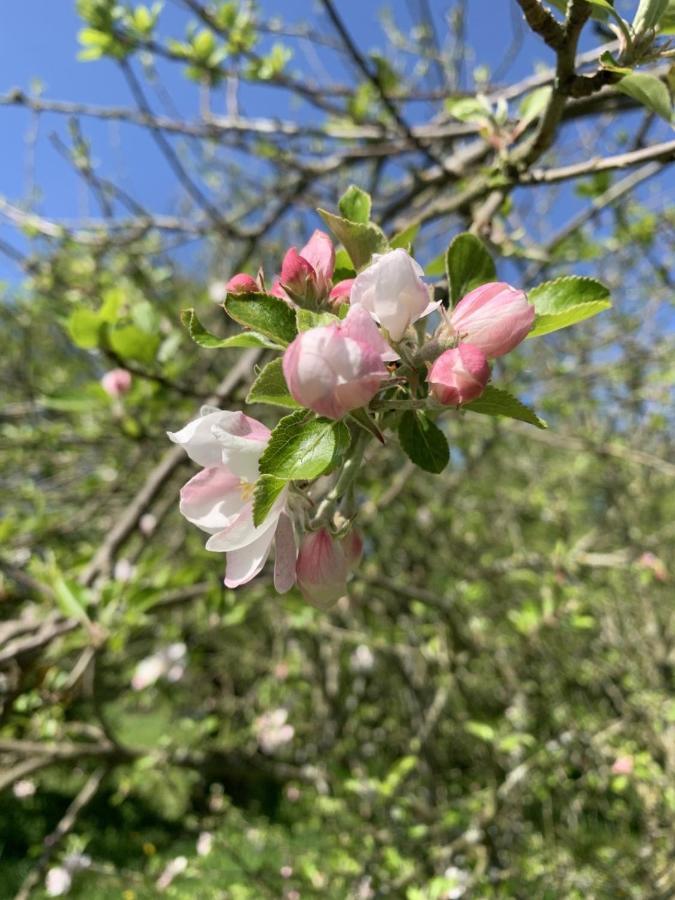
{"x":490,"y":712}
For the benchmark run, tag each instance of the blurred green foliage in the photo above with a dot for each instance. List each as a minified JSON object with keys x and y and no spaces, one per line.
{"x":455,"y":724}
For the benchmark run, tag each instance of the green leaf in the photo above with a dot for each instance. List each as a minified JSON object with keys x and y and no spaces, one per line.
{"x":469,"y":109}
{"x":270,"y":387}
{"x":405,"y":238}
{"x":423,"y":442}
{"x":264,"y":314}
{"x":534,"y":104}
{"x":608,"y":62}
{"x":360,"y":241}
{"x":648,"y":15}
{"x":355,"y":204}
{"x":436,"y":267}
{"x":468,"y":265}
{"x":667,"y":21}
{"x":303,"y":447}
{"x":481,"y":730}
{"x":83,"y":326}
{"x":361,"y":417}
{"x":648,"y":90}
{"x":496,"y":402}
{"x":307,"y":319}
{"x":204,"y":338}
{"x":566,"y":301}
{"x":267,"y":489}
{"x":129,"y":342}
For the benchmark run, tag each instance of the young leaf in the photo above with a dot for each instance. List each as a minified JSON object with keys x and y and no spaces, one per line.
{"x":360,"y":241}
{"x":565,"y":302}
{"x":307,"y":319}
{"x":204,"y":338}
{"x":648,"y":90}
{"x":83,"y":326}
{"x":648,"y":14}
{"x":361,"y":417}
{"x":405,"y":238}
{"x":495,"y":402}
{"x":130,"y":342}
{"x":303,"y":447}
{"x":264,"y":314}
{"x":270,"y":387}
{"x":355,"y":204}
{"x":468,"y":265}
{"x":423,"y":442}
{"x":267,"y":489}
{"x":534,"y":104}
{"x":468,"y":109}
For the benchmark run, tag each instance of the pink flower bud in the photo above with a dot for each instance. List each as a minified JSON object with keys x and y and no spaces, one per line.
{"x":322,"y":569}
{"x":459,"y":375}
{"x":320,"y":254}
{"x":494,"y":317}
{"x":241,"y":284}
{"x":297,"y":275}
{"x":116,"y":382}
{"x":333,"y":369}
{"x":341,"y":291}
{"x":623,"y":765}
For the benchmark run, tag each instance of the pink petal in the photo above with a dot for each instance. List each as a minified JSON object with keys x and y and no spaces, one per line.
{"x":285,"y":555}
{"x":320,"y":254}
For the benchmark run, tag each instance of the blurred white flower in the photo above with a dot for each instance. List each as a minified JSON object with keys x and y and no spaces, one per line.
{"x":362,"y":659}
{"x":58,"y":881}
{"x":204,"y":843}
{"x":123,"y":571}
{"x":173,"y":868}
{"x":272,"y":730}
{"x":24,"y":788}
{"x":147,"y":524}
{"x":461,"y":880}
{"x":169,"y":663}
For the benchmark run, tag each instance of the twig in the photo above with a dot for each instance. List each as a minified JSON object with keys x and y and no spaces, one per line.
{"x":64,"y":827}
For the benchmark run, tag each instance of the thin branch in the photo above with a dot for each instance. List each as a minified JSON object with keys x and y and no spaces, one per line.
{"x":664,"y":152}
{"x":64,"y":827}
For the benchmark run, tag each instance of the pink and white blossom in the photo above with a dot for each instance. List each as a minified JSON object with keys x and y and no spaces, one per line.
{"x":167,"y":663}
{"x":116,"y":382}
{"x":335,"y":368}
{"x":219,"y":499}
{"x":459,"y":375}
{"x":273,"y":730}
{"x":494,"y":317}
{"x":392,"y":291}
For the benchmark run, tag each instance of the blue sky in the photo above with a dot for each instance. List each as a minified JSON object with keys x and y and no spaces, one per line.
{"x":38,"y":40}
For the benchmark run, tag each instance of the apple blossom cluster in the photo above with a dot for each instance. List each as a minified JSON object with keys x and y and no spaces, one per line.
{"x":360,"y":346}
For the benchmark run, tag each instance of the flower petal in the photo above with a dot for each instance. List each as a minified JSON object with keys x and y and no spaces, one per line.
{"x":244,"y":564}
{"x":211,"y":498}
{"x":319,"y":252}
{"x":285,"y":553}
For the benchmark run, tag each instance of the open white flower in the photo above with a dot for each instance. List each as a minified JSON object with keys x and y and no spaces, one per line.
{"x":392,"y":291}
{"x":219,"y":499}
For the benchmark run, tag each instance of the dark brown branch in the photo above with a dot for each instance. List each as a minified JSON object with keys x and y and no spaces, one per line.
{"x":543,"y":23}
